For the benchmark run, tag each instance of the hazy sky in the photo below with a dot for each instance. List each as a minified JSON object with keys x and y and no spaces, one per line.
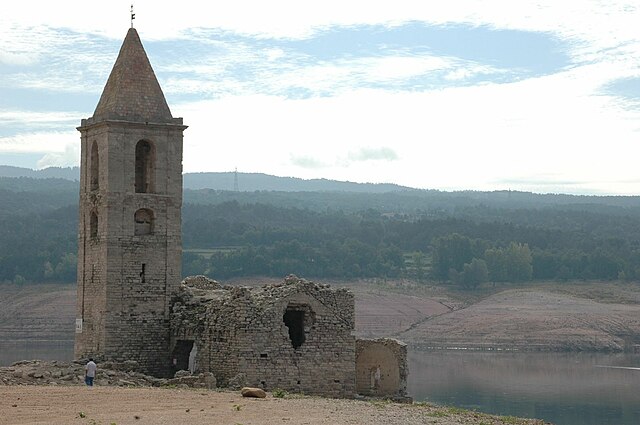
{"x":540,"y":96}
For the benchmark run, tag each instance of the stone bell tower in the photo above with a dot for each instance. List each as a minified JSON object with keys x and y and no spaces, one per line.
{"x":129,"y":243}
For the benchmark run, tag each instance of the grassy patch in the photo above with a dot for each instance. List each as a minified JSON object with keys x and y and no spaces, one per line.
{"x":457,"y":410}
{"x":380,"y":404}
{"x":279,"y":393}
{"x":511,"y":420}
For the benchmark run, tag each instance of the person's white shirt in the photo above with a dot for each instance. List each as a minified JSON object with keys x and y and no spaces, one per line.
{"x":91,"y":369}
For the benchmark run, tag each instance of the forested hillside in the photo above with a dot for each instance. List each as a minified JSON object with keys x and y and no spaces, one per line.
{"x":246,"y":182}
{"x":68,"y":173}
{"x":462,"y":237}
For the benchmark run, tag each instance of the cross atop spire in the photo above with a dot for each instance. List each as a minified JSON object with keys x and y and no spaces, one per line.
{"x":133,"y":16}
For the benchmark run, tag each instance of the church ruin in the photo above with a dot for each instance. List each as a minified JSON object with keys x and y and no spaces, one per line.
{"x":295,"y":335}
{"x":131,"y":305}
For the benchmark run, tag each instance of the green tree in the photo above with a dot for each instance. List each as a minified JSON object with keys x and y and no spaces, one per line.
{"x":450,"y":252}
{"x":496,"y":264}
{"x":475,"y":273}
{"x":472,"y":274}
{"x":510,"y":264}
{"x":519,"y":260}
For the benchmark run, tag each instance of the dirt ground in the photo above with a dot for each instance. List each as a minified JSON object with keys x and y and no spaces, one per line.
{"x":588,"y":317}
{"x":157,"y":406}
{"x":45,"y":311}
{"x":593,"y":316}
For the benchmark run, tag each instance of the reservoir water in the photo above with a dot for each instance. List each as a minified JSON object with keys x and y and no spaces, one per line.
{"x":562,"y":388}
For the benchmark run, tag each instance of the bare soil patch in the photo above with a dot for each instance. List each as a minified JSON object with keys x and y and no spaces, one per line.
{"x":45,"y":312}
{"x":540,"y":318}
{"x":158,"y":406}
{"x":380,"y":312}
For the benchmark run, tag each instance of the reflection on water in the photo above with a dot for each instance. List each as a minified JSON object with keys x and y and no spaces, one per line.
{"x":562,"y":388}
{"x":13,"y":351}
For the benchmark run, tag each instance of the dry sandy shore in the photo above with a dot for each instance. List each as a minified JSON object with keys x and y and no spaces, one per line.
{"x":49,"y":405}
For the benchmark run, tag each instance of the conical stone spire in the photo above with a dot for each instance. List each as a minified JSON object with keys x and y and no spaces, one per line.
{"x":132,"y":92}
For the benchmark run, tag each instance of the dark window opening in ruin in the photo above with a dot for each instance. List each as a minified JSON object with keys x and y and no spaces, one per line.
{"x":145,"y":158}
{"x":181,"y":354}
{"x":93,"y":225}
{"x":263,"y":355}
{"x":94,"y":168}
{"x":143,"y":222}
{"x":294,"y":320}
{"x":142,"y":273}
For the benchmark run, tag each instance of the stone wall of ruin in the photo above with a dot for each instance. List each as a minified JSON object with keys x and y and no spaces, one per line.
{"x":381,"y":368}
{"x":242,"y":338}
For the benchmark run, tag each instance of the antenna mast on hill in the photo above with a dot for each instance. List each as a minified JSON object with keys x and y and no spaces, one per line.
{"x":133,"y":16}
{"x":235,"y":180}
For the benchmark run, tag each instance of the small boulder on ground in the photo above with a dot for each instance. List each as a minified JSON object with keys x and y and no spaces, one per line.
{"x":182,"y":374}
{"x":253,"y":392}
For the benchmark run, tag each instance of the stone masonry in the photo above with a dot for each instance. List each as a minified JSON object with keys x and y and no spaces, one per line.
{"x":296,"y":335}
{"x":129,"y":244}
{"x":381,"y":368}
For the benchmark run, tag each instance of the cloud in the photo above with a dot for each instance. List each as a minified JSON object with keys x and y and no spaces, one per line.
{"x":267,"y":90}
{"x":290,"y":19}
{"x":17,"y":58}
{"x":69,"y":157}
{"x":373,"y":154}
{"x":628,"y":88}
{"x":461,"y":137}
{"x":54,"y":142}
{"x":390,"y":70}
{"x":31,"y":118}
{"x":54,"y":59}
{"x":218,"y":54}
{"x":58,"y":148}
{"x":307,"y":162}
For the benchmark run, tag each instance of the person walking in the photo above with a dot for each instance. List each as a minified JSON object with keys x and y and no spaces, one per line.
{"x":90,"y":372}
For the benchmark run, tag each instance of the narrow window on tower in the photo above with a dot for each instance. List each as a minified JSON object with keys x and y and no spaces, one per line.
{"x":94,"y":168}
{"x":142,"y":273}
{"x":93,"y":225}
{"x":145,"y":171}
{"x":143,"y":222}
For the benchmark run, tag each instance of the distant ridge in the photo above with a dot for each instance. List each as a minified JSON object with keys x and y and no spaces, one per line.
{"x":67,"y":173}
{"x":250,"y":182}
{"x":22,"y":186}
{"x":247,"y":182}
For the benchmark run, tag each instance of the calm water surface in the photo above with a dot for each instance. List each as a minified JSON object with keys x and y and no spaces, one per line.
{"x":565,"y":389}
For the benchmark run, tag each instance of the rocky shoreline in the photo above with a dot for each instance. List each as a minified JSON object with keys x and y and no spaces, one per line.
{"x":126,"y":374}
{"x":39,"y":392}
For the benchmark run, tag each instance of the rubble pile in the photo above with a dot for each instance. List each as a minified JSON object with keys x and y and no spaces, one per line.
{"x":37,"y":372}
